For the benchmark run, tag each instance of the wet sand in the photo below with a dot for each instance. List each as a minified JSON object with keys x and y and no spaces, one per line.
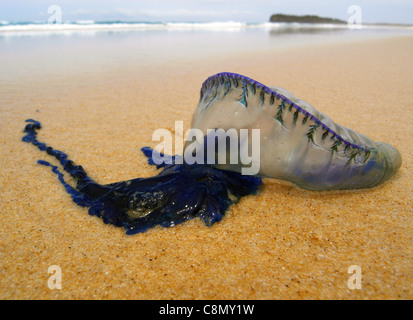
{"x":286,"y":243}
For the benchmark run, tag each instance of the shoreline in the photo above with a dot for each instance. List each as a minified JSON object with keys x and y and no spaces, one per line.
{"x":285,"y":243}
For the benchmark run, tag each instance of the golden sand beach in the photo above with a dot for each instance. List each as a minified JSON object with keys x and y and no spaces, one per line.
{"x":285,"y":243}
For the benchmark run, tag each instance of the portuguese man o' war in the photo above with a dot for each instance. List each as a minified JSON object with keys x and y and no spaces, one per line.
{"x":298,"y":144}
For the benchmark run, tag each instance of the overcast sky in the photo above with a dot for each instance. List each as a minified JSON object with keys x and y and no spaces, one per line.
{"x":390,"y":11}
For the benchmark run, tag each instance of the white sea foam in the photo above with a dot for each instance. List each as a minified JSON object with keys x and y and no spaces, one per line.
{"x":92,"y":25}
{"x":207,"y":25}
{"x":32,"y":28}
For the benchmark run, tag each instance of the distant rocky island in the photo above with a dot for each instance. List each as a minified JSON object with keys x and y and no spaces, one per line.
{"x":304,"y":19}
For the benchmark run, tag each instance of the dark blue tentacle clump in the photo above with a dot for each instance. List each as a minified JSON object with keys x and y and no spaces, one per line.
{"x":178,"y":193}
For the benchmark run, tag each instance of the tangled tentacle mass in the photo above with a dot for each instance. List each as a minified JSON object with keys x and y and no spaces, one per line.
{"x":178,"y":193}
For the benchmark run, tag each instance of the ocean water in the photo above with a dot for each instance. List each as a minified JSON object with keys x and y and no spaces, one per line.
{"x":23,"y":28}
{"x":30,"y":50}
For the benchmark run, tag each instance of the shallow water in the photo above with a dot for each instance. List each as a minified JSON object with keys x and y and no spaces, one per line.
{"x":35,"y":54}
